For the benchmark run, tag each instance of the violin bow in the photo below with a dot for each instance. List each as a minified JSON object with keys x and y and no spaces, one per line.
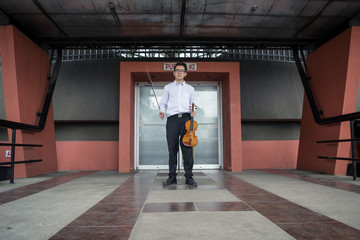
{"x":152,"y":86}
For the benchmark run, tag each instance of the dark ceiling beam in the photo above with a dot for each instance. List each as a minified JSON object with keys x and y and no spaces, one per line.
{"x":354,"y":20}
{"x":114,"y":14}
{"x":313,"y":19}
{"x":182,"y":18}
{"x":12,"y":21}
{"x":41,"y":8}
{"x":4,"y":18}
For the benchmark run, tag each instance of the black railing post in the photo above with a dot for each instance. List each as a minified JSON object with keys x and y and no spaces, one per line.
{"x":307,"y":89}
{"x":12,"y":168}
{"x":50,"y":90}
{"x":353,"y":141}
{"x":353,"y":153}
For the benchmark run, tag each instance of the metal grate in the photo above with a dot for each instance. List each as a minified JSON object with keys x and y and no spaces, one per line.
{"x":166,"y":53}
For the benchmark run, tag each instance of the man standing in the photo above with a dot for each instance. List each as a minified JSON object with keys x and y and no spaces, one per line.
{"x":176,"y":100}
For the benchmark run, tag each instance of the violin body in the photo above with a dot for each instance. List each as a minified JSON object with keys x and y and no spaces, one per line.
{"x":190,"y":139}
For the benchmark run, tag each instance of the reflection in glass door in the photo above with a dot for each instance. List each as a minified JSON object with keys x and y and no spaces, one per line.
{"x":150,"y":131}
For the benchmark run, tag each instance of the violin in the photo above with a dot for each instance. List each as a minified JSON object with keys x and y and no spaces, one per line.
{"x":190,"y":139}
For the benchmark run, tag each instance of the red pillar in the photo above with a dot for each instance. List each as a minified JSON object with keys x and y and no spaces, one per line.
{"x":334,"y":71}
{"x":25,"y":70}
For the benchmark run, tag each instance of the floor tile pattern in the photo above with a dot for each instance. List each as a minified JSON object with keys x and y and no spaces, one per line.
{"x":170,"y":207}
{"x":208,"y":187}
{"x":299,"y":222}
{"x":223,"y":206}
{"x":115,"y":215}
{"x":196,"y":206}
{"x":14,"y":194}
{"x":317,"y":180}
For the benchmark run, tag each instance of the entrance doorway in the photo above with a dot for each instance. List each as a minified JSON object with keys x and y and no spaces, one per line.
{"x":150,"y":131}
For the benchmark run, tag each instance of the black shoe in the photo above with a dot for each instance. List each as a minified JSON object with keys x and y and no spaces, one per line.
{"x":190,"y":181}
{"x":170,"y":181}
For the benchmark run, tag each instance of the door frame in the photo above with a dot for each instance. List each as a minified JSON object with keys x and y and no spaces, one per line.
{"x":137,"y":165}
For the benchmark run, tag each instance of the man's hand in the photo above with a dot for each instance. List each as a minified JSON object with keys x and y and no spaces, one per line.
{"x":162,"y":115}
{"x":192,"y":110}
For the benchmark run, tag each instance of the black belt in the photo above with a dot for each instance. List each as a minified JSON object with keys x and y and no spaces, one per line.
{"x":180,"y":115}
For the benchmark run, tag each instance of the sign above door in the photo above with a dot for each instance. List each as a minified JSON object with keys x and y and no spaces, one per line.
{"x":170,"y":66}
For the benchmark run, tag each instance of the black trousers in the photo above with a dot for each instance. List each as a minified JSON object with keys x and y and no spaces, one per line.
{"x":175,"y":131}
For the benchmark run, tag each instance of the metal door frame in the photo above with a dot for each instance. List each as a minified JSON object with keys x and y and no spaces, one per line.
{"x":220,"y":130}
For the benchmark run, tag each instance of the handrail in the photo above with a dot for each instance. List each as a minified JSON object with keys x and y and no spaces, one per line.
{"x":17,"y":162}
{"x":340,"y":158}
{"x":20,"y":145}
{"x":340,"y":140}
{"x":353,"y":152}
{"x":315,"y":111}
{"x":46,"y":106}
{"x":29,"y":127}
{"x":323,"y":121}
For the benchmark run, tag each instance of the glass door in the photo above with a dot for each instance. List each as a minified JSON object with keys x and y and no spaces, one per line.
{"x":150,"y":131}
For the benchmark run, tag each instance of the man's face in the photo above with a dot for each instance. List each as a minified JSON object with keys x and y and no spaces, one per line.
{"x":179,"y":73}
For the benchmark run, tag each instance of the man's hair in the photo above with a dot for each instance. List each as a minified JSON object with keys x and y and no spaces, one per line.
{"x":180,"y":64}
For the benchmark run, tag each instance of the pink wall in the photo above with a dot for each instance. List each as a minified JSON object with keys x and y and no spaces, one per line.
{"x":25,"y":70}
{"x":269,"y":154}
{"x":87,"y":155}
{"x":334,"y":71}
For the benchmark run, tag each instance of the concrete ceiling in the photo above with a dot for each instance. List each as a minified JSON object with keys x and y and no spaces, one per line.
{"x":180,"y":22}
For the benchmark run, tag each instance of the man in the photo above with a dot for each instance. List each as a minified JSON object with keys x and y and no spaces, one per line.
{"x":176,"y":100}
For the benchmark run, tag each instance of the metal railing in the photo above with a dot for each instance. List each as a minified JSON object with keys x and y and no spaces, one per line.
{"x":317,"y":114}
{"x":28,"y":127}
{"x":315,"y":111}
{"x":354,"y":158}
{"x":161,"y":53}
{"x":12,"y":161}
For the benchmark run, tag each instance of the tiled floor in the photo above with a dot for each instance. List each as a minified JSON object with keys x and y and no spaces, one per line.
{"x":21,"y":192}
{"x":114,"y":216}
{"x":222,"y":206}
{"x":299,"y":222}
{"x":318,"y":180}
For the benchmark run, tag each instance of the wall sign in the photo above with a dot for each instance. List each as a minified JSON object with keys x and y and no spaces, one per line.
{"x":170,"y":66}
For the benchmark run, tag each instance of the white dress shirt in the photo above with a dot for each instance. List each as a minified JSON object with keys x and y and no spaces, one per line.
{"x":177,"y":98}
